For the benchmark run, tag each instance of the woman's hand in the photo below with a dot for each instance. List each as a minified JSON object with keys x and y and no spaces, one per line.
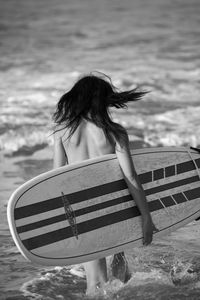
{"x":148,"y":230}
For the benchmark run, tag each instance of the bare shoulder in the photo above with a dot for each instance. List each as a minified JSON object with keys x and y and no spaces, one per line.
{"x":59,"y":131}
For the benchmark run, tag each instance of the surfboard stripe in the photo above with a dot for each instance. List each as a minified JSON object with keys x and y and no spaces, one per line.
{"x":61,"y":234}
{"x":46,"y":205}
{"x":54,"y":203}
{"x":170,"y":171}
{"x":48,"y":221}
{"x":149,"y":191}
{"x":171,"y":185}
{"x":179,"y":197}
{"x":59,"y":211}
{"x":192,"y":194}
{"x":158,"y":174}
{"x":39,"y":217}
{"x":167,"y":201}
{"x":78,"y":212}
{"x":65,"y":223}
{"x":187,"y":166}
{"x":146,"y":177}
{"x":83,"y":227}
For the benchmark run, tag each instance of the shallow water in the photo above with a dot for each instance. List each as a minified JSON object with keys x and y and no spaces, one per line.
{"x":44,"y":48}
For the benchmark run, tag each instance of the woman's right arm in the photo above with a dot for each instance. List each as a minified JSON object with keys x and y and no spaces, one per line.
{"x":60,"y":157}
{"x":135,"y":188}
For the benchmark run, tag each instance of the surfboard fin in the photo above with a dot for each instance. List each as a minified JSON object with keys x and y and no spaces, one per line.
{"x":70,"y":216}
{"x":119,"y":267}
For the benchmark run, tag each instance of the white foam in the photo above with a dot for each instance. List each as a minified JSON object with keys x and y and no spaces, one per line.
{"x":172,"y":128}
{"x":153,"y":276}
{"x":13,"y":141}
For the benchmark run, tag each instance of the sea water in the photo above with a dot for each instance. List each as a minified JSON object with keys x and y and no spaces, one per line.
{"x":45,"y":46}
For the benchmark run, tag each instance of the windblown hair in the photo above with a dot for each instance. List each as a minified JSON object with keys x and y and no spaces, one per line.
{"x":90,"y":98}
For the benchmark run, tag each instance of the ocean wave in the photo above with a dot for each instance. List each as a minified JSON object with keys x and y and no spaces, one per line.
{"x":26,"y":150}
{"x":25,"y":142}
{"x":178,"y":127}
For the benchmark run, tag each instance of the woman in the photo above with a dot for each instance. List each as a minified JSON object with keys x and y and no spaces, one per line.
{"x":84,"y":129}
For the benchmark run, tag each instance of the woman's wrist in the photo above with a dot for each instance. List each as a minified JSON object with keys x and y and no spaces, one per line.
{"x":146,"y":216}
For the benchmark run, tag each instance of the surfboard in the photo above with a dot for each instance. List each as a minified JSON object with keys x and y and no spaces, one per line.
{"x":84,"y":211}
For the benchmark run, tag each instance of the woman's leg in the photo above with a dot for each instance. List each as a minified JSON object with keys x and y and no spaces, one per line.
{"x":96,"y":274}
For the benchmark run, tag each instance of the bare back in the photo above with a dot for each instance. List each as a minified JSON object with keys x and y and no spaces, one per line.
{"x":88,"y":141}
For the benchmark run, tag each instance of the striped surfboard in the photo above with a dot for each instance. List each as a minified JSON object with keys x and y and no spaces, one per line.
{"x":84,"y":211}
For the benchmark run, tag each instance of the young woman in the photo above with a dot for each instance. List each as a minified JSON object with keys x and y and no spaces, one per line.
{"x":84,"y":129}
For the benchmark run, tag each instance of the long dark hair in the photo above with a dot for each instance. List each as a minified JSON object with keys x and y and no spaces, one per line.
{"x":90,"y":98}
